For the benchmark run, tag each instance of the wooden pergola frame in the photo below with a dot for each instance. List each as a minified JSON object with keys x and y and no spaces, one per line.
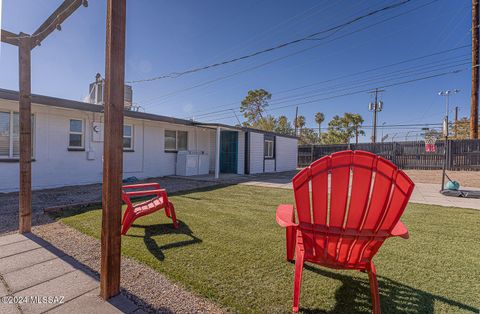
{"x":113,"y":135}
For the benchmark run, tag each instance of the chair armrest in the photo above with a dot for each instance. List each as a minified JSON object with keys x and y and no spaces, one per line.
{"x":285,"y":216}
{"x":399,"y":231}
{"x":142,"y":185}
{"x":144,"y":193}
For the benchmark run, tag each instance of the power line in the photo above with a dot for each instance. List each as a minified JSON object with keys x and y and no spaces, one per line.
{"x":354,"y":74}
{"x":359,"y":91}
{"x":357,"y":83}
{"x":280,"y":46}
{"x":221,"y":78}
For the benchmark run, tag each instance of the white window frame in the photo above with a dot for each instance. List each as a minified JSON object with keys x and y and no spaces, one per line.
{"x":270,"y":147}
{"x":130,"y":137}
{"x":70,"y":132}
{"x":10,"y":134}
{"x":176,"y":140}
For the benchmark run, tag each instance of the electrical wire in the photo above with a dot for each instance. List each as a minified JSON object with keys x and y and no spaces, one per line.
{"x":359,"y":91}
{"x":347,"y":76}
{"x":221,"y":78}
{"x":279,"y":46}
{"x":350,"y":84}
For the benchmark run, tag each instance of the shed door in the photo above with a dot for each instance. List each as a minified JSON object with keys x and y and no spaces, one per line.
{"x":228,"y":151}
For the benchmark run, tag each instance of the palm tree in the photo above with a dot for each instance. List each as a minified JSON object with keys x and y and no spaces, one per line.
{"x":319,"y":118}
{"x":300,"y":123}
{"x":355,"y":120}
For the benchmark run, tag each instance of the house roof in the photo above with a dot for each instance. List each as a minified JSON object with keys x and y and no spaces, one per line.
{"x":83,"y":106}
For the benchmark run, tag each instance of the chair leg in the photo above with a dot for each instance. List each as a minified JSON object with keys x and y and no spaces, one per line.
{"x":128,"y":219}
{"x":290,"y":240}
{"x":298,"y":279}
{"x":171,"y":210}
{"x":372,"y":276}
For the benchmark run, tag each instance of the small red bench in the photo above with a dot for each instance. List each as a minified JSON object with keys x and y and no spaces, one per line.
{"x":137,"y":210}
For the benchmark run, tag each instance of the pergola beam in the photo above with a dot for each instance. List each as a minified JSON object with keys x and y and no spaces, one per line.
{"x":9,"y":37}
{"x":113,"y":149}
{"x":56,"y":18}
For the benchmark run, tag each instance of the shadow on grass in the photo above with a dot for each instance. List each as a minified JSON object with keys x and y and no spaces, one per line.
{"x":354,"y":296}
{"x":152,"y":231}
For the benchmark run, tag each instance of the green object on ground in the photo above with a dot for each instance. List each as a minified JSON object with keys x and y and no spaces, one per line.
{"x":452,"y":185}
{"x":229,"y":249}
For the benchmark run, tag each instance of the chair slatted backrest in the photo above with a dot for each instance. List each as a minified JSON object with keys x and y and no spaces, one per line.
{"x":347,"y":204}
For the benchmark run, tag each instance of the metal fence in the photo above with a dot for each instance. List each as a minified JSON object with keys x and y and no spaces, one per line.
{"x":461,"y":154}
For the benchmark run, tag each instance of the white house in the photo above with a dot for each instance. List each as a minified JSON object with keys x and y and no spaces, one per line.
{"x":68,"y":145}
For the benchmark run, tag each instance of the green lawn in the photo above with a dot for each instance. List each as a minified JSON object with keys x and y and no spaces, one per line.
{"x":229,"y":249}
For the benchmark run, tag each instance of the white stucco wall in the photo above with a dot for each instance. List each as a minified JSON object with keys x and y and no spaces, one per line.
{"x":55,"y":166}
{"x":256,"y":152}
{"x":286,"y":153}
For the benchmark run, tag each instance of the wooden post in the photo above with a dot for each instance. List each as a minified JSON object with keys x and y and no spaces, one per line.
{"x":113,"y":148}
{"x":474,"y":94}
{"x":25,"y":108}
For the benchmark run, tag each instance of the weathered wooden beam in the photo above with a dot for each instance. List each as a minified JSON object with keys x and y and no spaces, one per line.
{"x":113,"y":149}
{"x":55,"y":19}
{"x":9,"y":37}
{"x":25,"y":196}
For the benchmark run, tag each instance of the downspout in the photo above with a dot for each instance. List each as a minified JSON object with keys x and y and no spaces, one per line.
{"x":217,"y":154}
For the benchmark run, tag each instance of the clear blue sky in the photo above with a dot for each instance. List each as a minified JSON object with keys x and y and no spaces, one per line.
{"x":169,"y":36}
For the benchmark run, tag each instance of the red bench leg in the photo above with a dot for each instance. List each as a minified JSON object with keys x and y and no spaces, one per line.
{"x":128,"y":219}
{"x":170,"y":211}
{"x":297,"y":283}
{"x":372,"y":276}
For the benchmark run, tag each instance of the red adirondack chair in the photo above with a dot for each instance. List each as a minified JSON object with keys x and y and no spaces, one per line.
{"x":355,"y":204}
{"x":137,"y":210}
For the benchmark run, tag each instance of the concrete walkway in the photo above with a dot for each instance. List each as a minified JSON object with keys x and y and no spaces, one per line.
{"x":424,"y":193}
{"x":427,"y":193}
{"x":38,"y":278}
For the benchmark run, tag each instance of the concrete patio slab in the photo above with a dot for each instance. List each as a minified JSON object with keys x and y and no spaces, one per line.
{"x":41,"y":278}
{"x":26,"y":259}
{"x":12,"y":238}
{"x":30,"y":276}
{"x":17,"y":247}
{"x":89,"y":303}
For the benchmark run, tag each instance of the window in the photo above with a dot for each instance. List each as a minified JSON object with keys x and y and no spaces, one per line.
{"x":269,"y":148}
{"x":182,"y":138}
{"x":127,"y":137}
{"x":10,"y":134}
{"x":75,"y":139}
{"x":170,"y":140}
{"x":176,"y":140}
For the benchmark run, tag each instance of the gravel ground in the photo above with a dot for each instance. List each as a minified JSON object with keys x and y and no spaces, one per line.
{"x":466,"y":178}
{"x":150,"y":290}
{"x":73,"y":195}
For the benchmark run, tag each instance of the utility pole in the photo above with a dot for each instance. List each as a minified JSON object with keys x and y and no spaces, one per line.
{"x":376,"y":106}
{"x":455,"y":131}
{"x":295,"y":121}
{"x":474,"y":95}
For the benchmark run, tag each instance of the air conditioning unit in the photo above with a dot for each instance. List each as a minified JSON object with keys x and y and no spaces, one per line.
{"x":96,"y":91}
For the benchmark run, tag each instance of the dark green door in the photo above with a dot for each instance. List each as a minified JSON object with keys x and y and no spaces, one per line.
{"x":228,"y":151}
